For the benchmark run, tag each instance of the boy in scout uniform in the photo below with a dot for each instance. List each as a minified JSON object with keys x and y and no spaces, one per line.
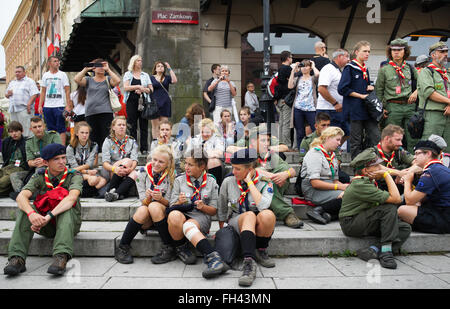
{"x":278,"y":171}
{"x":434,"y":91}
{"x":61,"y":223}
{"x":249,"y":195}
{"x":395,"y":86}
{"x":369,"y":211}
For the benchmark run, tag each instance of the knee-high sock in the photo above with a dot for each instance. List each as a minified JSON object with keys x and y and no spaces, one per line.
{"x":163,"y":230}
{"x":130,"y":232}
{"x":248,"y":244}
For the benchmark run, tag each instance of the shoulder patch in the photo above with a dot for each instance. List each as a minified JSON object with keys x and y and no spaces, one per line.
{"x":40,"y":172}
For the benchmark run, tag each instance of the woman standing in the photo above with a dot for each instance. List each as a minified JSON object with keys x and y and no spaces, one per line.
{"x":120,"y":158}
{"x":99,"y":113}
{"x":78,"y":98}
{"x":227,"y":128}
{"x":82,"y":155}
{"x":137,"y":85}
{"x":224,"y":90}
{"x":161,"y":82}
{"x":320,"y":174}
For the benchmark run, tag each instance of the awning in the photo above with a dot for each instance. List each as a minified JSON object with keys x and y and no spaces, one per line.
{"x":97,"y":31}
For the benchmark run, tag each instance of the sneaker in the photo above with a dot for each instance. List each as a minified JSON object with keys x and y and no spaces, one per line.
{"x":264,"y":259}
{"x":111,"y":196}
{"x":123,"y":255}
{"x":15,"y":266}
{"x":214,"y":264}
{"x":167,"y":254}
{"x":58,"y":266}
{"x":249,"y":272}
{"x":293,"y":221}
{"x":387,"y":260}
{"x":185,"y":254}
{"x":367,"y":254}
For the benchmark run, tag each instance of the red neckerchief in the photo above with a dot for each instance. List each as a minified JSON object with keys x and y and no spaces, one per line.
{"x":431,"y":162}
{"x":361,"y":176}
{"x":398,"y":69}
{"x":389,"y":162}
{"x":150,"y":175}
{"x":196,"y":190}
{"x":363,"y":69}
{"x":49,"y":184}
{"x":263,"y":162}
{"x":244,"y":193}
{"x":443,"y":72}
{"x":121,"y":147}
{"x":329,"y":158}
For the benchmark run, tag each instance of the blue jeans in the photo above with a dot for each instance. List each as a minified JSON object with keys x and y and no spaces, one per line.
{"x":337,"y":120}
{"x":301,"y":119}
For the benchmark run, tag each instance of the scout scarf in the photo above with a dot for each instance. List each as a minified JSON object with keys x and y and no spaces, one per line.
{"x":196,"y":190}
{"x":398,"y":69}
{"x":431,"y":162}
{"x":440,"y":71}
{"x":121,"y":146}
{"x":363,"y":69}
{"x":244,"y":193}
{"x":329,"y":158}
{"x":49,"y":184}
{"x":263,"y":162}
{"x":389,"y":162}
{"x":150,"y":176}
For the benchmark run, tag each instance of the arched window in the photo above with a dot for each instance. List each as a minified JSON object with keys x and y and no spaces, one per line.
{"x":420,"y":41}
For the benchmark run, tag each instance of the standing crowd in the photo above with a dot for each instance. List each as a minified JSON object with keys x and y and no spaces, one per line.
{"x":401,"y":181}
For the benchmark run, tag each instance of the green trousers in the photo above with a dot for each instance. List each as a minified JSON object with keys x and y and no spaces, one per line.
{"x":5,"y":178}
{"x":399,"y":114}
{"x":437,"y":123}
{"x":67,"y":226}
{"x":380,"y":221}
{"x":280,"y":208}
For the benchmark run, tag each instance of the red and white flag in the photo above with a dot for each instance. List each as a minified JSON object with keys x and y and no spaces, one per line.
{"x":57,"y":42}
{"x":50,"y":47}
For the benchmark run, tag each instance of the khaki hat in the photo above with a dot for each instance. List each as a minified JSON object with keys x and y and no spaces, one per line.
{"x":365,"y":159}
{"x":398,"y":44}
{"x":422,"y":59}
{"x":441,"y":46}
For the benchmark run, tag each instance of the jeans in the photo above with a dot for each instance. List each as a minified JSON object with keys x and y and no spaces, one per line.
{"x":337,"y":120}
{"x":301,"y":119}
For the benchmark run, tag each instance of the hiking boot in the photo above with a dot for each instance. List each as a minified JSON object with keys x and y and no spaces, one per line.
{"x":264,"y":259}
{"x":16,"y":265}
{"x":293,"y":221}
{"x":167,"y":254}
{"x":185,"y":254}
{"x":316,"y":215}
{"x":367,"y":254}
{"x":58,"y":267}
{"x":249,"y":272}
{"x":111,"y":196}
{"x":387,"y":260}
{"x":123,"y":255}
{"x":214,"y":264}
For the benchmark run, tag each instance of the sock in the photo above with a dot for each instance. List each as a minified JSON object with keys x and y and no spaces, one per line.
{"x":130,"y":232}
{"x":180,"y":242}
{"x":386,"y":248}
{"x":248,"y":244}
{"x":332,"y":207}
{"x":204,"y":247}
{"x":115,"y":181}
{"x":125,"y":186}
{"x":163,"y":230}
{"x":262,"y":242}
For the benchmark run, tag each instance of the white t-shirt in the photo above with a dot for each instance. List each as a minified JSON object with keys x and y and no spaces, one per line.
{"x":54,"y":84}
{"x":78,"y":109}
{"x":330,"y":77}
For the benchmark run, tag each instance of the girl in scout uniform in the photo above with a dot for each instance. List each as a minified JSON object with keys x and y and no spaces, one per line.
{"x":82,"y":155}
{"x":192,"y":204}
{"x":320,"y":174}
{"x":120,"y":158}
{"x":165,"y":138}
{"x":249,"y":195}
{"x":154,"y":187}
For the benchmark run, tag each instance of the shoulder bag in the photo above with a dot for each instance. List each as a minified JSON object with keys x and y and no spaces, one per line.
{"x":113,"y":98}
{"x":151,"y":110}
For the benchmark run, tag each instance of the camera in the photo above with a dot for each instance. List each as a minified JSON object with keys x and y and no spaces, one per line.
{"x":93,"y":65}
{"x":301,"y":65}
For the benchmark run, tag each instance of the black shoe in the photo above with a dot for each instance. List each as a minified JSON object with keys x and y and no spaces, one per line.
{"x":167,"y":254}
{"x":316,"y":215}
{"x":123,"y":255}
{"x":327,"y":217}
{"x":16,"y":265}
{"x":58,"y":266}
{"x":387,"y":260}
{"x":185,"y":254}
{"x":367,"y":254}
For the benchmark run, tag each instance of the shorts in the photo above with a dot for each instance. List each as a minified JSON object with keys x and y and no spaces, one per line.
{"x":434,"y":220}
{"x":54,"y":119}
{"x":203,"y":220}
{"x":234,"y":222}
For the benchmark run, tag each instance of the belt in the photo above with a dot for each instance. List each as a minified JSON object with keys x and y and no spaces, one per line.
{"x":401,"y":101}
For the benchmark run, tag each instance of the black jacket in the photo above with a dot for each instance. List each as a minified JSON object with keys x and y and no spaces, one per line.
{"x":8,"y":147}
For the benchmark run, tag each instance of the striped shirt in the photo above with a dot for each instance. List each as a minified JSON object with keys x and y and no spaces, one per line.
{"x":223,"y":93}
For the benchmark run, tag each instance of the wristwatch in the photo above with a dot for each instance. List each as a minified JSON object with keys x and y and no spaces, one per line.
{"x":335,"y":103}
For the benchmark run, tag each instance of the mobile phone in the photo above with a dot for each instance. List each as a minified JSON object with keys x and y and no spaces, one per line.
{"x":93,"y":65}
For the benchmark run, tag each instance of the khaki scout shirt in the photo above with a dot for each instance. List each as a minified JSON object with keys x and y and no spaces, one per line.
{"x":74,"y":181}
{"x":33,"y":145}
{"x":143,"y":183}
{"x":428,"y":82}
{"x":402,"y":158}
{"x":230,"y":193}
{"x":388,"y":80}
{"x":304,"y":146}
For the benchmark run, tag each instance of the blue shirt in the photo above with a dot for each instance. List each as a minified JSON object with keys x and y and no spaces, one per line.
{"x":435,"y":183}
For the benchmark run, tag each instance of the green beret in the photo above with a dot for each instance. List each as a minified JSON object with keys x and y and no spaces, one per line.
{"x":365,"y":159}
{"x":441,"y":46}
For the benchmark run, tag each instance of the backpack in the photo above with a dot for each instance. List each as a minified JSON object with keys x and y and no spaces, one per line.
{"x":272,"y":86}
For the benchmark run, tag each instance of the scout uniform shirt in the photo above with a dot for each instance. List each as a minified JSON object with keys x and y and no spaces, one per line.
{"x":113,"y":150}
{"x":306,"y":141}
{"x":33,"y":145}
{"x":391,"y":85}
{"x":160,"y":182}
{"x":360,"y":195}
{"x":82,"y":155}
{"x":230,"y":195}
{"x":399,"y":159}
{"x":174,"y":144}
{"x":429,"y":81}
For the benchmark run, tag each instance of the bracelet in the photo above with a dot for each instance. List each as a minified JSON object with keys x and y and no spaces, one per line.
{"x":335,"y":186}
{"x":112,"y":170}
{"x":289,"y":173}
{"x":28,"y":214}
{"x":50,"y":214}
{"x":335,"y":103}
{"x":250,"y":183}
{"x":386,"y":173}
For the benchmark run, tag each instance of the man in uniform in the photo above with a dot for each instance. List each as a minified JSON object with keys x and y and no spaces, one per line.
{"x":434,"y":91}
{"x":277,"y":170}
{"x":422,"y":61}
{"x":61,"y":222}
{"x":395,"y":86}
{"x":368,"y":211}
{"x":33,"y":148}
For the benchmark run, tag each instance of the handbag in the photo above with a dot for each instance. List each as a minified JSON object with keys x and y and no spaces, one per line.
{"x":374,"y":106}
{"x":151,"y":110}
{"x":113,"y":98}
{"x":289,"y":98}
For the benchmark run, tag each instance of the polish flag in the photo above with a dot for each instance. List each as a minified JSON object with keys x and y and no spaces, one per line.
{"x":50,"y":47}
{"x":57,"y":42}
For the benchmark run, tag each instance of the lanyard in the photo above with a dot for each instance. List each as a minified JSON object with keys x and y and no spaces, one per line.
{"x":389,"y":162}
{"x":49,"y":184}
{"x":196,"y":190}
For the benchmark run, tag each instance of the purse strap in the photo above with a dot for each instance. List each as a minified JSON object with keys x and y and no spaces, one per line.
{"x":163,"y":87}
